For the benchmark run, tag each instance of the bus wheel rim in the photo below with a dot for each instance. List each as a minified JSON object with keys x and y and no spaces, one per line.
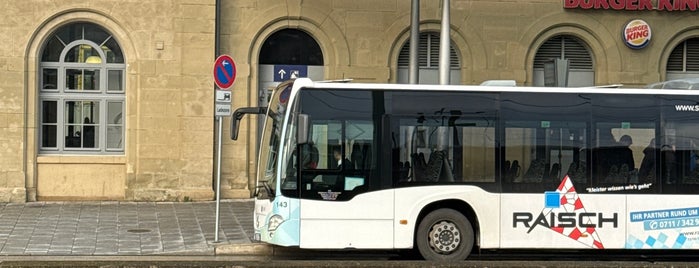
{"x":444,"y":237}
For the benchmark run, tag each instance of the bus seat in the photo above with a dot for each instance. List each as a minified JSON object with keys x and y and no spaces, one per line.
{"x":535,"y":172}
{"x":435,"y":165}
{"x":396,"y":166}
{"x":405,"y":171}
{"x":572,"y":169}
{"x":367,"y":156}
{"x":506,"y":171}
{"x":577,"y":172}
{"x":446,"y":174}
{"x":613,"y":175}
{"x":309,"y":156}
{"x":553,"y":174}
{"x":514,"y":170}
{"x":511,"y":171}
{"x":547,"y":172}
{"x":356,"y":156}
{"x":419,"y":166}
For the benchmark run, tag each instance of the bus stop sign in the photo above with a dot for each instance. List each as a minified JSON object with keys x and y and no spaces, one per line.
{"x":224,"y":71}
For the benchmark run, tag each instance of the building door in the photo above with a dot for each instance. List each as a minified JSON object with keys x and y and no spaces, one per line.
{"x":287,"y":54}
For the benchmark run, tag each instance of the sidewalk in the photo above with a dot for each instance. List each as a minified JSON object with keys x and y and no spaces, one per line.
{"x":125,"y":228}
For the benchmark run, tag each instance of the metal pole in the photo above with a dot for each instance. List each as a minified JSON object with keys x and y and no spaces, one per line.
{"x":218,"y":177}
{"x":414,"y":41}
{"x":219,"y":120}
{"x":444,"y":45}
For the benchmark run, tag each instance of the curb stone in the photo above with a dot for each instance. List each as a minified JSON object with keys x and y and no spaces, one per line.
{"x":244,"y":249}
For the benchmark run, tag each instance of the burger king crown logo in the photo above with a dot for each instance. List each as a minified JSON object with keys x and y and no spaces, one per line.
{"x":636,"y":34}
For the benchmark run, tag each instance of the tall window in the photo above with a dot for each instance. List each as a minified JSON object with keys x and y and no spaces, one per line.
{"x":81,"y":92}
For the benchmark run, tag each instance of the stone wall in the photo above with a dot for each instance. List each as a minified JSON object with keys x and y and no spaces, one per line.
{"x":169,"y":90}
{"x":361,"y":40}
{"x":169,"y":50}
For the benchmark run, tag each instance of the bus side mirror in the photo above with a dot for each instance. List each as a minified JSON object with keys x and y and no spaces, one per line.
{"x":303,"y":129}
{"x":238,"y":115}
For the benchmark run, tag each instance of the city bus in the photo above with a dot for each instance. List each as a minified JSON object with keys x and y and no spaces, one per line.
{"x":443,"y":170}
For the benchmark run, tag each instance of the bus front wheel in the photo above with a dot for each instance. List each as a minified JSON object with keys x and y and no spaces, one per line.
{"x":445,"y":235}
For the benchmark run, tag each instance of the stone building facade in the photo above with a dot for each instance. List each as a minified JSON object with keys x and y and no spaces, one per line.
{"x":138,"y":123}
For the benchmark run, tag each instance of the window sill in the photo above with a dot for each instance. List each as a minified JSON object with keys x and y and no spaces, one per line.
{"x":81,"y":159}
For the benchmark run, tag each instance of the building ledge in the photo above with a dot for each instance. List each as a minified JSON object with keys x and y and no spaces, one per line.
{"x":81,"y":159}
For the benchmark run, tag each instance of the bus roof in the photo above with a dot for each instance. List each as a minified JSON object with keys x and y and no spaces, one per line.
{"x":308,"y":83}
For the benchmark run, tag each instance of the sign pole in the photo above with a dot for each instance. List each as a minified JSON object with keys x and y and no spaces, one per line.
{"x":218,"y":177}
{"x":224,"y":76}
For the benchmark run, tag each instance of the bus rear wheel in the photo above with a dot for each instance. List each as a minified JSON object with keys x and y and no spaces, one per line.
{"x":445,"y":235}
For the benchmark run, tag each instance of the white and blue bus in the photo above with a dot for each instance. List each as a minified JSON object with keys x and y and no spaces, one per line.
{"x":446,"y":169}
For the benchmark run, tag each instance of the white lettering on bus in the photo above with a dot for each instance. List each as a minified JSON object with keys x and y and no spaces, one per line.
{"x":687,"y":108}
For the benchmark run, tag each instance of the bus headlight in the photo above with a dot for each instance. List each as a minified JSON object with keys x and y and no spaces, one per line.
{"x":274,"y":222}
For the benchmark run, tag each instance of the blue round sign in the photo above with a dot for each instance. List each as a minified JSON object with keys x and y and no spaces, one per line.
{"x":224,"y":71}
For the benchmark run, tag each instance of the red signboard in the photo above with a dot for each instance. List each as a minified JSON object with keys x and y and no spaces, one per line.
{"x":224,"y":71}
{"x":661,"y":5}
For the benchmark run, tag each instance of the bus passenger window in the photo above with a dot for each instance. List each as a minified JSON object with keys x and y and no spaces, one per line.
{"x":619,"y":151}
{"x":461,"y":152}
{"x":679,"y":153}
{"x":545,"y":140}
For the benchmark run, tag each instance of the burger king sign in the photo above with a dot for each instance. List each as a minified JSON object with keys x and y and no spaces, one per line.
{"x":636,"y":34}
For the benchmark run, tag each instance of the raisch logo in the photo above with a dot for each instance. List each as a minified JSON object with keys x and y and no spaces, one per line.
{"x":565,"y":214}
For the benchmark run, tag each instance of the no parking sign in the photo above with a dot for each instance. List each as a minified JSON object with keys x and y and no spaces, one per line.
{"x":224,"y":75}
{"x":224,"y":71}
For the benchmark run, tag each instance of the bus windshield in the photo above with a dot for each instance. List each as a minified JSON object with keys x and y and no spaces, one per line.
{"x":272,"y":141}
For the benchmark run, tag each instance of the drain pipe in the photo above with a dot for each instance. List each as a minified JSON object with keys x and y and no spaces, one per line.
{"x":414,"y":41}
{"x":444,"y":45}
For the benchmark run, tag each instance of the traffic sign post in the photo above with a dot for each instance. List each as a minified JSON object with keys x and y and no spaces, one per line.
{"x":224,"y":71}
{"x":223,"y":96}
{"x":223,"y":103}
{"x":224,"y":76}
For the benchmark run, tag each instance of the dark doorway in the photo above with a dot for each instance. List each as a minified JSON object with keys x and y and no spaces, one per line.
{"x":292,"y":47}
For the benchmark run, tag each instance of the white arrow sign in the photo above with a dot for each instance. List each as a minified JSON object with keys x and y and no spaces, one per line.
{"x":282,"y":73}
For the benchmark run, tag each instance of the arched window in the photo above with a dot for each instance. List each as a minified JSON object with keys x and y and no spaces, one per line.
{"x":684,"y":60}
{"x":81,"y":92}
{"x":580,"y":66}
{"x":428,"y":61}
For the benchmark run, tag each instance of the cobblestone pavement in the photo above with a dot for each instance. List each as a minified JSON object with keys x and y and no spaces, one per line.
{"x":121,"y":228}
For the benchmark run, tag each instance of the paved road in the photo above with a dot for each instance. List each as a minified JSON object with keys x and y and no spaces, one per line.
{"x":121,"y":228}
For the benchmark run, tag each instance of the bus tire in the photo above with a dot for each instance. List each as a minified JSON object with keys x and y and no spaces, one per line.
{"x":445,"y":235}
